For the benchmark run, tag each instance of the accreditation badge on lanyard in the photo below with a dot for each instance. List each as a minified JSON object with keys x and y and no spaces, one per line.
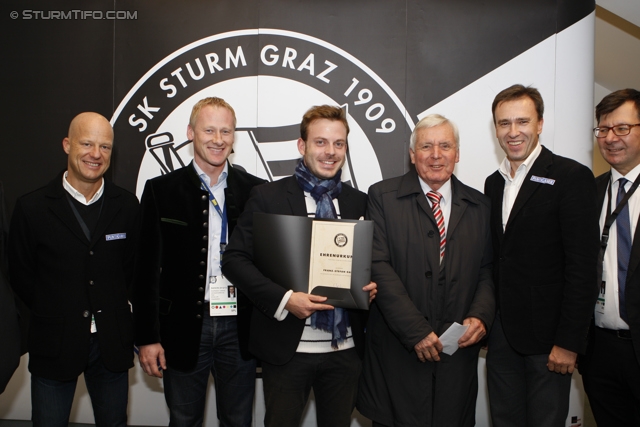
{"x":601,"y":293}
{"x":223,"y":300}
{"x":604,"y":239}
{"x":222,"y":297}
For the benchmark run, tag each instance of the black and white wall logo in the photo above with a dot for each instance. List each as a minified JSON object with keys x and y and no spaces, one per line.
{"x":270,"y":77}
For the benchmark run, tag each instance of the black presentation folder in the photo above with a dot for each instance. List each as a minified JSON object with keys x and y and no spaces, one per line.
{"x":282,"y":251}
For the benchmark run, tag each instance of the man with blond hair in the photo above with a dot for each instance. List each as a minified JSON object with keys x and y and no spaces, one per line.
{"x":187,"y":218}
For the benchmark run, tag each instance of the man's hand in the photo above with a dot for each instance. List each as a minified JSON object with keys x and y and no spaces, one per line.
{"x":429,"y":348}
{"x":304,"y":305}
{"x":151,"y":358}
{"x":372,"y":288}
{"x":475,"y":333}
{"x":562,"y":361}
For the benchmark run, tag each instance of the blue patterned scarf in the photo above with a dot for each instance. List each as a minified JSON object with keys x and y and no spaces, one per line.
{"x":323,"y":192}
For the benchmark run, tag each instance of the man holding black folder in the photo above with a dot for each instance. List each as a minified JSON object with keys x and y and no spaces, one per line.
{"x":302,"y":342}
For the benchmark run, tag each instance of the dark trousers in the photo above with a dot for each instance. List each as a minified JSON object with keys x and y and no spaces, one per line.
{"x":611,"y":376}
{"x":522,"y":391}
{"x":333,"y":377}
{"x":51,"y":400}
{"x":234,"y":379}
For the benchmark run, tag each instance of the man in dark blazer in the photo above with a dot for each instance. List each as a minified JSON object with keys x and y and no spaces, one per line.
{"x":187,"y":218}
{"x":71,"y":256}
{"x":545,"y":246}
{"x":433,"y":268}
{"x":611,"y":367}
{"x":287,"y":335}
{"x":9,"y":319}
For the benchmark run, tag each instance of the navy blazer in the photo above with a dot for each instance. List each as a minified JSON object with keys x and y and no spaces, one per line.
{"x":271,"y":340}
{"x":172,"y":262}
{"x":64,"y":278}
{"x":545,"y":260}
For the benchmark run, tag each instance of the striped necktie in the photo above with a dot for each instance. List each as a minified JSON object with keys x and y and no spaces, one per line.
{"x":435,"y":197}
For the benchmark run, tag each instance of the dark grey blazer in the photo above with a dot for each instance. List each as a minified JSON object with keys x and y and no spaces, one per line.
{"x":412,"y":301}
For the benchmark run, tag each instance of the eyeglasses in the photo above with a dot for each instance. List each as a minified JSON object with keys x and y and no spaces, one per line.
{"x":619,"y":130}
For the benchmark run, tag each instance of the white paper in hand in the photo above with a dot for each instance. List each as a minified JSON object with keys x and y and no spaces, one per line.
{"x":451,"y":336}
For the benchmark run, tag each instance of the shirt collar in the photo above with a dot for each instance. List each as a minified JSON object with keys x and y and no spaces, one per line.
{"x":444,"y":190}
{"x":222,"y":178}
{"x":505,"y":166}
{"x":78,"y":195}
{"x":631,"y":176}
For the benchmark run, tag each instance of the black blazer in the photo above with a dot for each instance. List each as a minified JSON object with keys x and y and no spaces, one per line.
{"x":545,"y":260}
{"x":63,"y":278}
{"x":172,"y":262}
{"x":9,"y":320}
{"x":632,"y":289}
{"x":271,"y":340}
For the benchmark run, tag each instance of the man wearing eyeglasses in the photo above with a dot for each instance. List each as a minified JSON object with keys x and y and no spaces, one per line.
{"x":545,"y":247}
{"x":611,"y":367}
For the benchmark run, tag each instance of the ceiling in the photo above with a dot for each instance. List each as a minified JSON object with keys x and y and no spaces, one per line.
{"x":617,"y":55}
{"x":617,"y":49}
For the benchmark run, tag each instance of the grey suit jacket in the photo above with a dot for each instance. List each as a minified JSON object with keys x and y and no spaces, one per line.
{"x":411,"y":301}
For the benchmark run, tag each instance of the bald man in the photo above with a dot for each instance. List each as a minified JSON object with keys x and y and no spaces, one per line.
{"x":70,"y":260}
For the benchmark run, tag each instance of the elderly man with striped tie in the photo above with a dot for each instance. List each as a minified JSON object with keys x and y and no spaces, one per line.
{"x":432,"y":263}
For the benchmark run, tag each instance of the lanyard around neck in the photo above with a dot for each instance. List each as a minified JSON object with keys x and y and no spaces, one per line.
{"x":83,"y":224}
{"x":611,"y":216}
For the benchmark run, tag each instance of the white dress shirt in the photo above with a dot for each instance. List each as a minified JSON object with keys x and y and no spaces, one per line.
{"x":512,"y":185}
{"x":215,"y":224}
{"x":445,"y":200}
{"x":78,"y":195}
{"x":610,"y":319}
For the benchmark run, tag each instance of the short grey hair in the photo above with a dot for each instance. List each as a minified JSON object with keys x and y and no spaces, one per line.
{"x":430,"y":121}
